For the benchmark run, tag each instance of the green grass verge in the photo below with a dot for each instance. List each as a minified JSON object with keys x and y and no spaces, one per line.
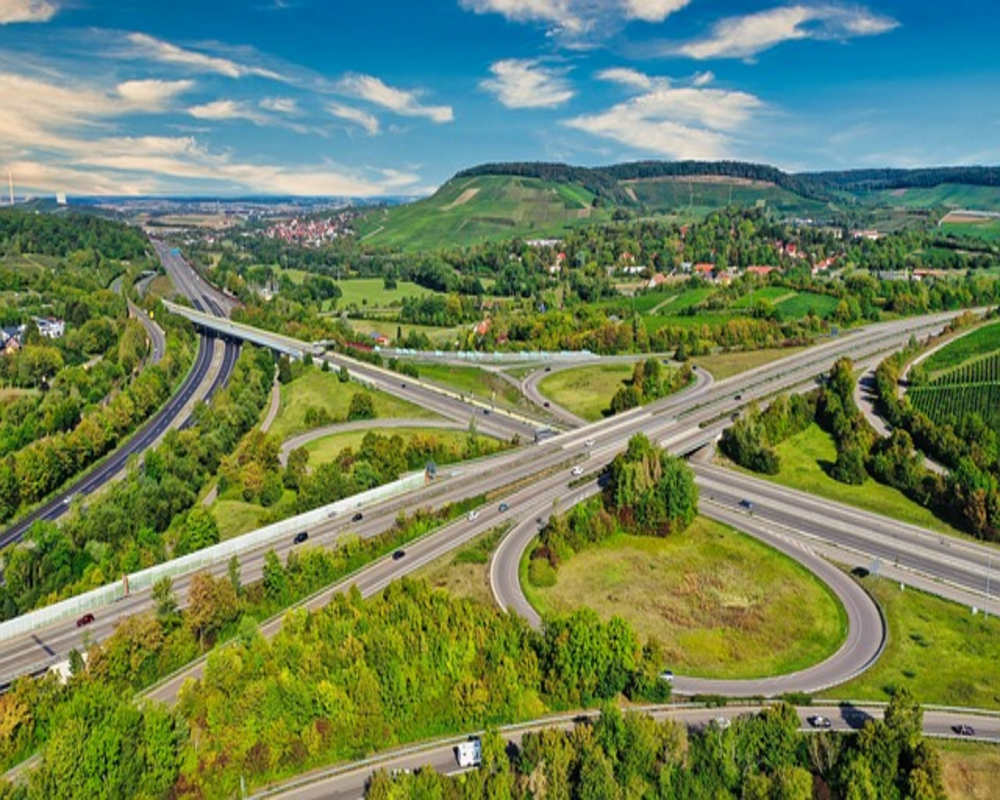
{"x":326,"y":449}
{"x":722,"y":604}
{"x":586,"y":391}
{"x":801,"y":304}
{"x":803,"y":457}
{"x":465,"y":573}
{"x":322,"y":390}
{"x":473,"y":381}
{"x":725,"y":365}
{"x":937,"y":649}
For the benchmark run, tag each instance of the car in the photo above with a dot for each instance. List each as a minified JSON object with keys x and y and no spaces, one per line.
{"x":819,"y":721}
{"x":503,"y":507}
{"x":486,"y":411}
{"x":398,"y":554}
{"x":357,"y":517}
{"x":546,"y":404}
{"x":473,"y":516}
{"x":722,"y":723}
{"x":402,"y":386}
{"x":578,"y":471}
{"x":86,"y":619}
{"x":667,"y":675}
{"x":300,"y":537}
{"x":744,"y":503}
{"x":548,"y":369}
{"x":588,"y":443}
{"x":964,"y":730}
{"x":738,"y":397}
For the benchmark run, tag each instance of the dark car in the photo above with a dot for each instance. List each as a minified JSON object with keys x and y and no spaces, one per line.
{"x":548,"y":369}
{"x":402,"y":386}
{"x":357,"y":517}
{"x":746,"y":504}
{"x":503,"y":507}
{"x":546,"y":404}
{"x":486,"y":411}
{"x":86,"y":619}
{"x":398,"y":554}
{"x":738,"y":397}
{"x":961,"y":730}
{"x":818,"y":721}
{"x":300,"y":537}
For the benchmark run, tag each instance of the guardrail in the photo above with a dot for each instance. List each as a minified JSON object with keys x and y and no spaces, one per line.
{"x":492,"y":356}
{"x":210,"y":556}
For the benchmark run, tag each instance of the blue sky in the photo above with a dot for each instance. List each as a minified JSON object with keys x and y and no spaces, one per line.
{"x":376,"y":97}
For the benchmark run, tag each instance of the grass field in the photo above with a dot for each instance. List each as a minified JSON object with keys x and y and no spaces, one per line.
{"x":772,"y":294}
{"x":803,"y":302}
{"x":703,"y":196}
{"x":586,"y":391}
{"x":725,"y":365}
{"x":972,"y":345}
{"x":372,"y":293}
{"x":322,"y":390}
{"x":472,"y":381}
{"x":988,"y":230}
{"x":970,"y":769}
{"x":937,"y":649}
{"x":949,"y":195}
{"x":721,"y":603}
{"x":803,"y":458}
{"x":325,"y":450}
{"x":468,"y":211}
{"x":438,"y":336}
{"x":234,"y":517}
{"x":465,"y":573}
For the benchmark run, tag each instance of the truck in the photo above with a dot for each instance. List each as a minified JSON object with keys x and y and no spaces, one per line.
{"x":470,"y":753}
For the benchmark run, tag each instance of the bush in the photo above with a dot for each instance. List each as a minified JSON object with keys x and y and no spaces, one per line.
{"x":541,"y":573}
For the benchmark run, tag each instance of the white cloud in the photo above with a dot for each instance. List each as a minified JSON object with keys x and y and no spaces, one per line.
{"x":402,"y":102}
{"x":525,"y":84}
{"x":152,"y":95}
{"x":671,"y":120}
{"x":654,"y":10}
{"x":149,"y":47}
{"x":228,"y":110}
{"x":64,"y":139}
{"x":367,"y":121}
{"x":744,"y":37}
{"x":578,"y":19}
{"x":280,"y":105}
{"x":26,"y":11}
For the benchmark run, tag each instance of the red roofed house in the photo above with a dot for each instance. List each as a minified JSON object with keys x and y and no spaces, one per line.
{"x":762,"y":271}
{"x":483,"y":327}
{"x":705,"y":270}
{"x":656,"y":280}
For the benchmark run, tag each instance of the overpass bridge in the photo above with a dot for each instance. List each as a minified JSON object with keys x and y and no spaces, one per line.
{"x":226,"y":328}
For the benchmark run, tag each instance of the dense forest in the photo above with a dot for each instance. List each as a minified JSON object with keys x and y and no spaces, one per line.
{"x":49,"y":234}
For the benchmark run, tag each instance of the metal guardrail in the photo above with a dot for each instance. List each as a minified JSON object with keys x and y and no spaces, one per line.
{"x":493,"y":356}
{"x":210,"y":556}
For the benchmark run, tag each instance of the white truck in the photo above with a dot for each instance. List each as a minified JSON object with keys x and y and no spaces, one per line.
{"x":470,"y":753}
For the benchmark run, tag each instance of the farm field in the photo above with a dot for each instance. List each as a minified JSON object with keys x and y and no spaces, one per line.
{"x":586,"y":391}
{"x":976,"y":343}
{"x":988,"y":230}
{"x":701,"y":197}
{"x":324,"y":392}
{"x":438,"y":336}
{"x":969,"y":769}
{"x":949,"y":195}
{"x":801,"y":303}
{"x":725,"y":365}
{"x":937,"y":649}
{"x":772,"y":294}
{"x":720,"y":603}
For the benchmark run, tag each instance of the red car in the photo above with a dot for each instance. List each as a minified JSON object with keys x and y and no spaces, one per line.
{"x":86,"y":619}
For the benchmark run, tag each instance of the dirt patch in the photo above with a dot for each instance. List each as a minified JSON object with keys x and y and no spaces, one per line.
{"x":462,"y":199}
{"x":583,"y":213}
{"x":897,"y":193}
{"x":717,"y":179}
{"x":970,"y":216}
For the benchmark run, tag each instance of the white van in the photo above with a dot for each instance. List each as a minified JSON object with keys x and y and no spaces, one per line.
{"x":470,"y":753}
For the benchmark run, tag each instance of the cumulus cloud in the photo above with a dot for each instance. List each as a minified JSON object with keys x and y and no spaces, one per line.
{"x":153,"y":49}
{"x":12,"y":11}
{"x":369,"y":122}
{"x":676,"y":121}
{"x":400,"y":101}
{"x":576,"y":20}
{"x":520,"y":83}
{"x":745,"y":36}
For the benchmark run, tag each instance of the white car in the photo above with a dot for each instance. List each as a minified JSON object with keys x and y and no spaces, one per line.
{"x":473,"y":516}
{"x":578,"y":471}
{"x":588,"y":443}
{"x":722,"y":723}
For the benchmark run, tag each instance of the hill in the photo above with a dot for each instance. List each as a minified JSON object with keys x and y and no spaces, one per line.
{"x":543,"y":200}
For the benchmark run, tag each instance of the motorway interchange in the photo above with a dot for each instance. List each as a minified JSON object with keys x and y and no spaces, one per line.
{"x":806,"y":528}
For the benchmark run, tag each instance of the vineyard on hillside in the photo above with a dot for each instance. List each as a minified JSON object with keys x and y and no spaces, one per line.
{"x":971,"y":388}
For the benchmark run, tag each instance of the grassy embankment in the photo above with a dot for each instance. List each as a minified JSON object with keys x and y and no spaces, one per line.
{"x":585,"y":391}
{"x":721,"y":603}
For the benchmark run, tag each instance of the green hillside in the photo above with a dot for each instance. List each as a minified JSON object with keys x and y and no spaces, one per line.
{"x":472,"y":210}
{"x":698,"y":196}
{"x":945,"y":195}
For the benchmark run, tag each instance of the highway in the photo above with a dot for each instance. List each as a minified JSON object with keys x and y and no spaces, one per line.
{"x":347,"y":782}
{"x":543,"y":470}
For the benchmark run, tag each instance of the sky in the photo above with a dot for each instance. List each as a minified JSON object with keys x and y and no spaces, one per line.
{"x":371,"y":98}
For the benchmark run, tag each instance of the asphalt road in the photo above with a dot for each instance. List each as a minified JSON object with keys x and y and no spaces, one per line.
{"x":544,"y":470}
{"x":347,"y":782}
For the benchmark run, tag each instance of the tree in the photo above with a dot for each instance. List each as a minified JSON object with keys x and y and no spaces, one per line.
{"x":361,"y":407}
{"x":200,"y":530}
{"x":275,"y":578}
{"x":211,"y":604}
{"x":165,"y":599}
{"x":233,"y":571}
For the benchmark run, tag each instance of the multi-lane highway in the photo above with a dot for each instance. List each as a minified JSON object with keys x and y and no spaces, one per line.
{"x":544,"y":469}
{"x":348,"y":782}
